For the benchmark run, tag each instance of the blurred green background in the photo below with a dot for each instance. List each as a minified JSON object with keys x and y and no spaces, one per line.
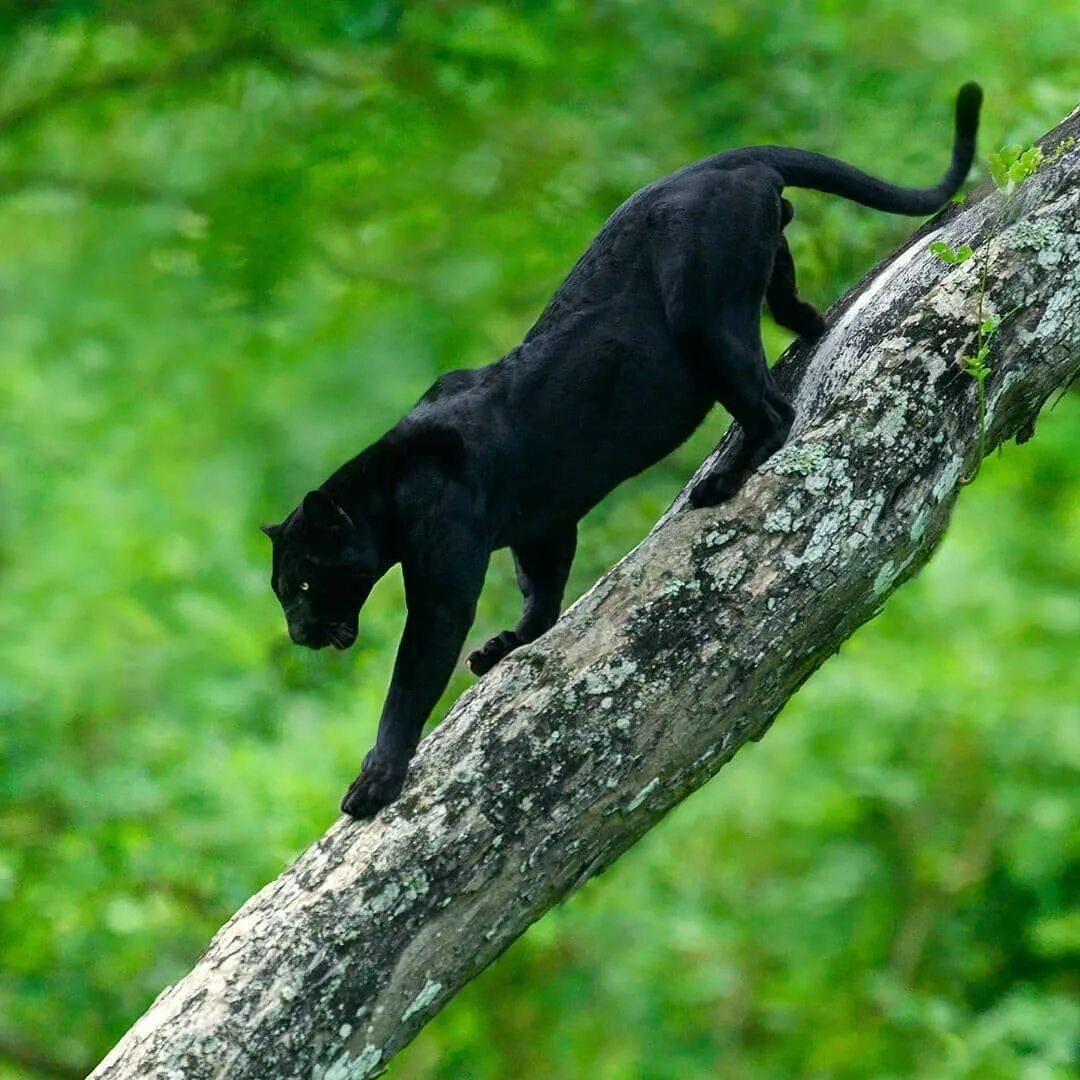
{"x":236,"y":242}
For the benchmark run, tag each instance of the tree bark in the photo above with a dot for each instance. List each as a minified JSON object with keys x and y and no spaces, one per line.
{"x":573,"y":747}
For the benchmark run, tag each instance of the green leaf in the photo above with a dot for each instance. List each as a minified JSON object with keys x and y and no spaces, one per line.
{"x":943,"y":251}
{"x":948,"y":255}
{"x":1031,"y":158}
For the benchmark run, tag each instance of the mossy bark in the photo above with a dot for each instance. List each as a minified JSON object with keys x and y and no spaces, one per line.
{"x":573,"y":747}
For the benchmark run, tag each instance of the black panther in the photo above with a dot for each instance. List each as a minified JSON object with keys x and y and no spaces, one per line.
{"x":657,"y":322}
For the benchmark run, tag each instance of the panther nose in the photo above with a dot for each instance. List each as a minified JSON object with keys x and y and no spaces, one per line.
{"x":301,"y":634}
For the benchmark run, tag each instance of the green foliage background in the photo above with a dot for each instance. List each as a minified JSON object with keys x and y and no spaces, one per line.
{"x":238,"y":240}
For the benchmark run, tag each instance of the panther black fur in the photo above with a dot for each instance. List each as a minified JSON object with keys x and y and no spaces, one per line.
{"x":657,"y":322}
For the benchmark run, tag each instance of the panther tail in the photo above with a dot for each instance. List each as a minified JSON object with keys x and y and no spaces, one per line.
{"x":805,"y":169}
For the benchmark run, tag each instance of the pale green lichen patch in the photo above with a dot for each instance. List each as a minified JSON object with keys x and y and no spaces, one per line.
{"x":897,"y":344}
{"x":1060,"y":310}
{"x":728,"y":571}
{"x":422,"y":1000}
{"x":386,"y":897}
{"x":643,"y":794}
{"x":467,"y":771}
{"x":414,"y":885}
{"x":718,"y":537}
{"x":367,"y":1061}
{"x":350,"y":1067}
{"x":608,"y":677}
{"x":948,"y":479}
{"x":935,"y":366}
{"x":893,"y":422}
{"x":398,"y":895}
{"x":676,"y":586}
{"x":885,"y":577}
{"x":1035,"y":234}
{"x":918,"y":526}
{"x":1011,"y":379}
{"x":799,"y":459}
{"x":823,"y":541}
{"x":1059,"y":319}
{"x":950,"y":301}
{"x":778,"y":520}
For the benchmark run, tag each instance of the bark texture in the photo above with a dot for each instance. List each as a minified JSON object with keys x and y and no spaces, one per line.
{"x":573,"y":747}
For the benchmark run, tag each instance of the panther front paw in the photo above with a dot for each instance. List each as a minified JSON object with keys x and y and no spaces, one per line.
{"x":492,"y":651}
{"x":811,"y":324}
{"x":377,"y":785}
{"x":713,"y":489}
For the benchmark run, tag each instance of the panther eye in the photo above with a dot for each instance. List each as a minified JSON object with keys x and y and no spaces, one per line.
{"x":304,"y":586}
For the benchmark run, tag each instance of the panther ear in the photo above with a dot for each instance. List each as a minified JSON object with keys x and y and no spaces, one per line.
{"x":321,"y":512}
{"x":273,"y":531}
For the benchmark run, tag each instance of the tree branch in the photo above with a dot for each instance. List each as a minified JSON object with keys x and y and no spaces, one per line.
{"x":575,"y":746}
